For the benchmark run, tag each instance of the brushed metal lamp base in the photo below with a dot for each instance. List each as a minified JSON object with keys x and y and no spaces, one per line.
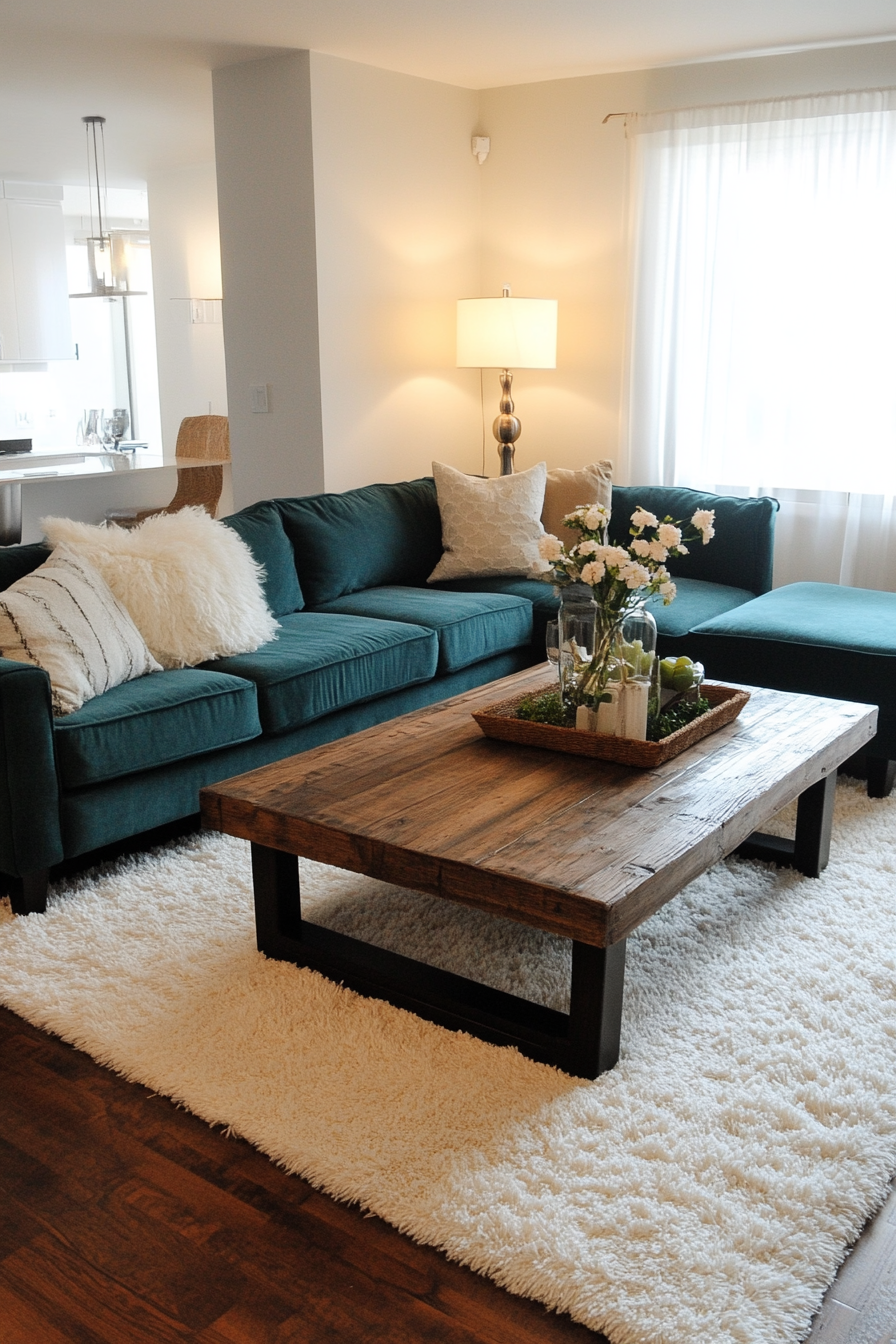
{"x":506,"y":427}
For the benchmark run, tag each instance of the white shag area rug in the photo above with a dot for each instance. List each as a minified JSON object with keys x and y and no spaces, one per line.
{"x":704,"y":1190}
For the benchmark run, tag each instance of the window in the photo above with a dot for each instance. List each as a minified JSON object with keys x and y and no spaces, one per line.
{"x":764,"y":328}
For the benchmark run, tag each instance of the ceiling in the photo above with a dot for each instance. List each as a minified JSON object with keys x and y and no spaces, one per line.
{"x":474,"y":43}
{"x":145,"y":63}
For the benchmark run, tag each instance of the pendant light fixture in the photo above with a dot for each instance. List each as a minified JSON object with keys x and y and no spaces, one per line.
{"x":108,"y":252}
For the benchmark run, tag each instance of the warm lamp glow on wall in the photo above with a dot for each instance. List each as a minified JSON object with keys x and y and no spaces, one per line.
{"x":506,"y":334}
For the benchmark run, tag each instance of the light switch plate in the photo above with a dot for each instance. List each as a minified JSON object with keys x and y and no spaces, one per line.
{"x":258,"y":398}
{"x":205,"y":311}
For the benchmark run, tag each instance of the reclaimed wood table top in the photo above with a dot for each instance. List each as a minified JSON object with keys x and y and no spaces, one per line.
{"x":579,"y":847}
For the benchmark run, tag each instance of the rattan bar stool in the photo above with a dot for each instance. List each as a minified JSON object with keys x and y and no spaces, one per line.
{"x":203,"y":444}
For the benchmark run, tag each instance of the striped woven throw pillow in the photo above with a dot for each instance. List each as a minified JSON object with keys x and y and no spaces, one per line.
{"x":65,"y":618}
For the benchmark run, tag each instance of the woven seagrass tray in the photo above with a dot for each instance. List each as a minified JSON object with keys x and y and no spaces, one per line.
{"x":498,"y":721}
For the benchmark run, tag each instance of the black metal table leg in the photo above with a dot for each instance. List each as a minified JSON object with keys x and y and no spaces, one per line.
{"x":881,"y":777}
{"x":814,"y":815}
{"x":595,"y":1007}
{"x":810,"y":848}
{"x":278,"y":906}
{"x":583,"y":1042}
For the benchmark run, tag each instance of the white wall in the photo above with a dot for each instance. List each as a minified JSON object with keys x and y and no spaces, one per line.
{"x":554,"y":219}
{"x":186,"y":262}
{"x":553,"y":228}
{"x":354,"y":215}
{"x":396,"y":192}
{"x":349,"y":208}
{"x":266,"y":210}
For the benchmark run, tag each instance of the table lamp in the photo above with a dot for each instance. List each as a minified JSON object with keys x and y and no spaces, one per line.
{"x":502,"y":334}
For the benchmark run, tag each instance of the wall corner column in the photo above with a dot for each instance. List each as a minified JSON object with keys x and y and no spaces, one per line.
{"x":265,"y":172}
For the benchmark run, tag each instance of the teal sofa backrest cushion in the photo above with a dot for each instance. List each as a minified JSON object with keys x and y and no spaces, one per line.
{"x":17,"y":561}
{"x":261,"y":528}
{"x":740,"y":555}
{"x":374,"y":537}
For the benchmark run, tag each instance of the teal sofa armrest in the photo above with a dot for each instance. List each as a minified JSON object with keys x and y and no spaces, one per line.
{"x":30,"y":836}
{"x":741,"y":554}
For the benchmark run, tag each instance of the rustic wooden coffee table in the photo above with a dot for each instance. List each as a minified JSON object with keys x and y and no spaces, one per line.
{"x":578,"y":847}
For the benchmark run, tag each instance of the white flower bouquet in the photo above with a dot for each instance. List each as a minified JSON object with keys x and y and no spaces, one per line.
{"x":621,"y":579}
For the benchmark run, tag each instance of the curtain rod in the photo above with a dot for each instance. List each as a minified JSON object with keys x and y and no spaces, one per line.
{"x":754,"y":102}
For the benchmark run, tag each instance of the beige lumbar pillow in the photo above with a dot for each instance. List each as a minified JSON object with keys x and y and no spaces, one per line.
{"x":489,"y":527}
{"x":64,"y":618}
{"x":190,"y":583}
{"x":566,"y":489}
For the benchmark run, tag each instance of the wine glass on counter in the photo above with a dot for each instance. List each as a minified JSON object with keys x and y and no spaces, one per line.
{"x":115,"y":426}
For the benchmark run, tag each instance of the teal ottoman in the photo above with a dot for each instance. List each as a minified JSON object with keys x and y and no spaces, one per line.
{"x":816,"y":638}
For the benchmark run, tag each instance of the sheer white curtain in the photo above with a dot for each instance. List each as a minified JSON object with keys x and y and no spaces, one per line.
{"x":763,"y":357}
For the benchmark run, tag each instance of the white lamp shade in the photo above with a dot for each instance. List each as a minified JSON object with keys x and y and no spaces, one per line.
{"x":507,"y":333}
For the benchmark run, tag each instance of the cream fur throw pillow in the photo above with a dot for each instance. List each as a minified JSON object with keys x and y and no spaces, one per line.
{"x":489,"y":527}
{"x":191,"y":585}
{"x":64,"y":618}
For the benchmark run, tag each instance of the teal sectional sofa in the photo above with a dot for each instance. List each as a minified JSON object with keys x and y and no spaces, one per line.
{"x":734,"y":568}
{"x":362,"y":639}
{"x":820,"y":639}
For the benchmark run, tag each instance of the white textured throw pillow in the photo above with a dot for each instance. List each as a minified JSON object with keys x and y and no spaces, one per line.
{"x":489,"y":527}
{"x":64,"y":618}
{"x":190,"y":583}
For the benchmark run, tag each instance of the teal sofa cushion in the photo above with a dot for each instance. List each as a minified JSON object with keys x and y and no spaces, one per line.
{"x":367,"y":538}
{"x":543,"y":596}
{"x":164,"y":717}
{"x":261,"y":528}
{"x":695,"y":602}
{"x":740,"y":555}
{"x":321,"y":662}
{"x":817,"y":638}
{"x":94,"y":817}
{"x":470,"y":626}
{"x":857,"y":620}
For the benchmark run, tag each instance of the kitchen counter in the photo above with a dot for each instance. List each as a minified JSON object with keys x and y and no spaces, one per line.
{"x":65,"y":464}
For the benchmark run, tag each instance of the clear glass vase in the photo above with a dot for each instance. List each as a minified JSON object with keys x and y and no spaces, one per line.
{"x":588,"y":649}
{"x":638,"y":644}
{"x":576,"y":621}
{"x":636,"y":674}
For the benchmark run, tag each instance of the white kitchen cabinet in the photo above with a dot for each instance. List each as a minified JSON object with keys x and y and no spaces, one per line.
{"x":9,"y":323}
{"x":35,"y":324}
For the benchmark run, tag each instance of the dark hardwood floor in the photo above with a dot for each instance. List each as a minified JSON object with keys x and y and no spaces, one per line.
{"x":124,"y":1220}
